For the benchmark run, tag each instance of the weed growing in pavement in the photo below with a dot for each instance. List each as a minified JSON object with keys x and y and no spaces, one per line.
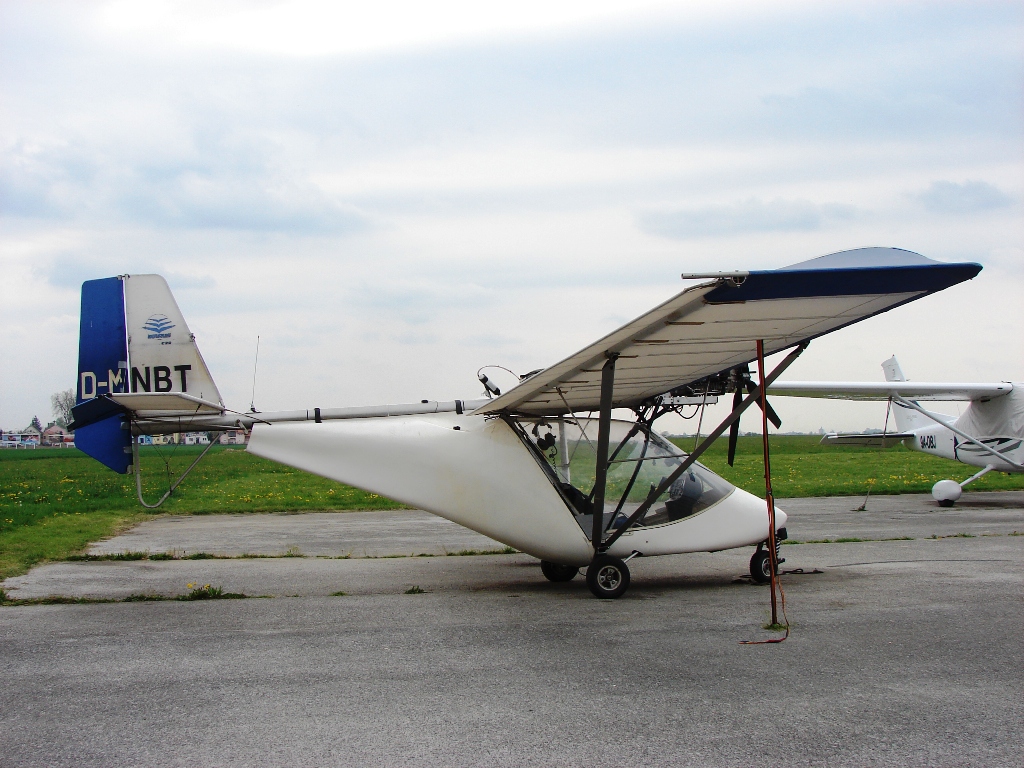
{"x":339,"y":593}
{"x":415,"y":591}
{"x":846,"y":540}
{"x":206,"y":592}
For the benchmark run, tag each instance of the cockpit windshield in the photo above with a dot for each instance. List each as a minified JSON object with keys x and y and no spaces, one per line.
{"x":639,"y":460}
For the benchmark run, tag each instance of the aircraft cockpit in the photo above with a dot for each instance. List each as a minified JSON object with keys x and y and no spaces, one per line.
{"x":639,"y":460}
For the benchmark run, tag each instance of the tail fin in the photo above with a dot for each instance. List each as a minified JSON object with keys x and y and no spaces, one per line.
{"x":133,"y":339}
{"x":907,"y":419}
{"x":162,"y":351}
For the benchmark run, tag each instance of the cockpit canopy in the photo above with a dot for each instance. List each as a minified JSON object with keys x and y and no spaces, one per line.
{"x":639,"y":460}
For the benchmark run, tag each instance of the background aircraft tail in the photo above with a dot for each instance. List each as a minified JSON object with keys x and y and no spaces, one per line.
{"x":133,"y":340}
{"x":907,"y":419}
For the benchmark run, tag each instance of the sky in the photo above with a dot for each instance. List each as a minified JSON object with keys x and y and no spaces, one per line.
{"x":392,"y":195}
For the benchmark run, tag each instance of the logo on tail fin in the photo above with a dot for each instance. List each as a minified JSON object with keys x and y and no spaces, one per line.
{"x":158,"y":327}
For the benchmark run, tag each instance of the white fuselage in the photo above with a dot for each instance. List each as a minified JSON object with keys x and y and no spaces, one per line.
{"x":942,"y":441}
{"x":477,"y":472}
{"x":995,"y":423}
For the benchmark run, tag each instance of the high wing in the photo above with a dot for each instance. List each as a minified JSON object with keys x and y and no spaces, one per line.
{"x":883,"y":390}
{"x":712,"y":327}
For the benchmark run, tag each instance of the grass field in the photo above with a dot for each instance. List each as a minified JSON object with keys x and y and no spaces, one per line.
{"x":801,"y":466}
{"x":53,"y":502}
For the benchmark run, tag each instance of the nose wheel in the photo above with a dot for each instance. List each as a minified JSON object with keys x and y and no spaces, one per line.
{"x":607,"y":577}
{"x":761,"y":567}
{"x":761,"y":561}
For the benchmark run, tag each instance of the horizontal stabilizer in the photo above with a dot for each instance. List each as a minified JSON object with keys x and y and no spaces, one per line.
{"x":169,"y":403}
{"x":867,"y":441}
{"x":153,"y":405}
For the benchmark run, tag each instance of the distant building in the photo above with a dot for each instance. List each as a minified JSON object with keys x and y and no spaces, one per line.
{"x":178,"y":438}
{"x":19,"y":440}
{"x":234,"y":437}
{"x":57,"y":436}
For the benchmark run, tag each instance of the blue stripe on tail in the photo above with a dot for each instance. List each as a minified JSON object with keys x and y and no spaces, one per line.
{"x":103,"y":369}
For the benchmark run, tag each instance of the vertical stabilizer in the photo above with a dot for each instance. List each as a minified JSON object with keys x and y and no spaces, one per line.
{"x":892,"y":370}
{"x":162,"y":350}
{"x":132,"y":339}
{"x":907,"y":419}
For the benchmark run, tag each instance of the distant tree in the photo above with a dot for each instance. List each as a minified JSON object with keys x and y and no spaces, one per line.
{"x":36,"y":423}
{"x":61,"y":404}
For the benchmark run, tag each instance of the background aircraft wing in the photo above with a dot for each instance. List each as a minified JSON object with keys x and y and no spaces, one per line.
{"x":883,"y":390}
{"x":879,"y":440}
{"x":712,"y":327}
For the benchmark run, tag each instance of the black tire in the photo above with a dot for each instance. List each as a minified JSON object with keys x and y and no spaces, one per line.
{"x":557,"y":572}
{"x":607,"y":577}
{"x":761,"y":567}
{"x":946,"y":503}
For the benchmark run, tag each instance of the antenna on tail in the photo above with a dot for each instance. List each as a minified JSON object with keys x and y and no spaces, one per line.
{"x":256,"y":362}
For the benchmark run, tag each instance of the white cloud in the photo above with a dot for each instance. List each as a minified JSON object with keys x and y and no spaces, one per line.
{"x":318,"y":28}
{"x":747,"y":216}
{"x":945,"y":197}
{"x":392,"y":207}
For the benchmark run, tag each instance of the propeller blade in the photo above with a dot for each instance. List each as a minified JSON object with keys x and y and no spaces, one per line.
{"x":734,"y":430}
{"x":773,"y":417}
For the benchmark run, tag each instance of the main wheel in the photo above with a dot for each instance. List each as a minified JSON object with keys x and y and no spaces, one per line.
{"x":558,"y":572}
{"x":761,"y":566}
{"x":607,"y":577}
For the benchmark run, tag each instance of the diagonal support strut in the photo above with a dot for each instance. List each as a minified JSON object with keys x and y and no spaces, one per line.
{"x":705,"y":444}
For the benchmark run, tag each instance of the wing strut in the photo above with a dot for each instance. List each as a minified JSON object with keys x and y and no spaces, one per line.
{"x":652,"y":497}
{"x":604,"y":426}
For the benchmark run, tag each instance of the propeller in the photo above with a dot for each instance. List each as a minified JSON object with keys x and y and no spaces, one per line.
{"x":734,"y":430}
{"x":742,"y":383}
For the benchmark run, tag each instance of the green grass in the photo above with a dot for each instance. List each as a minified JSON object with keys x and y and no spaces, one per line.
{"x":53,"y":502}
{"x":801,"y":466}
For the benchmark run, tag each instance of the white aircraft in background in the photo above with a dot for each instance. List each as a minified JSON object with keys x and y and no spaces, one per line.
{"x":531,"y":467}
{"x":989,"y":434}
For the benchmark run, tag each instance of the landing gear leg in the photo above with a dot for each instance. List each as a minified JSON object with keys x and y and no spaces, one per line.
{"x":607,"y":577}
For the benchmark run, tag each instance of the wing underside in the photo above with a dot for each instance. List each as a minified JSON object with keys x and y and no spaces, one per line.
{"x":715,"y":326}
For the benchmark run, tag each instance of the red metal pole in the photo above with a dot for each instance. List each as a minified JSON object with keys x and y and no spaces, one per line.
{"x":768,"y":496}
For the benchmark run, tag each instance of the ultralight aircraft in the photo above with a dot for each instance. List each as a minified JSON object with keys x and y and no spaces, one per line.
{"x":542,"y":467}
{"x":989,"y":434}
